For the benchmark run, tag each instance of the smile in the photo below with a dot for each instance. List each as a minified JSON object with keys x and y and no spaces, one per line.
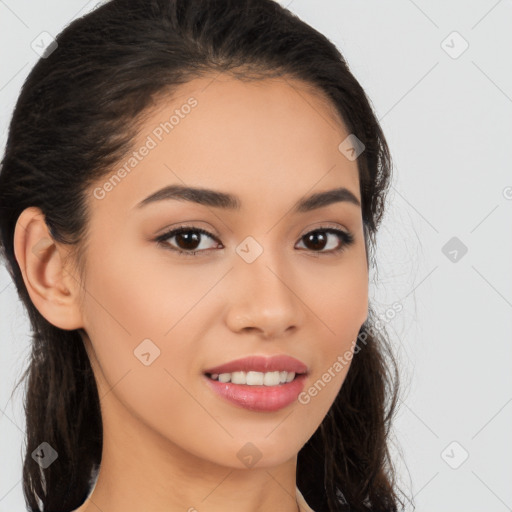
{"x":255,"y":378}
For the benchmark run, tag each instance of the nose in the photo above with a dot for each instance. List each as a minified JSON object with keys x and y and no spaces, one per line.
{"x":263,"y":297}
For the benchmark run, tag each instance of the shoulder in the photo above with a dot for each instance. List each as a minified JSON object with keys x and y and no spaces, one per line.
{"x":304,"y":507}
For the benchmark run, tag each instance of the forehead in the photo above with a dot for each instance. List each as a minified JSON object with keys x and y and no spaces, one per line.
{"x":269,"y":138}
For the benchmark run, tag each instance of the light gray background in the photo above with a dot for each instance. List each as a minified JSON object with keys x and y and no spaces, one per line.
{"x":449,"y":125}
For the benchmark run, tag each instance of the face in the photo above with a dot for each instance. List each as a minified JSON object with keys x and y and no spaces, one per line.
{"x":258,"y":275}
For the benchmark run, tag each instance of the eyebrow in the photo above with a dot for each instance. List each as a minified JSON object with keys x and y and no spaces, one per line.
{"x":228,"y":201}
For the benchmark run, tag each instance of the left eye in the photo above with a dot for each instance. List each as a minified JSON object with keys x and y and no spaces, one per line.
{"x":320,"y":237}
{"x":188,"y":238}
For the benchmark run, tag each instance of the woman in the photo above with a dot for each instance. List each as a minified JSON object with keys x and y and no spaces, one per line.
{"x":191,"y":191}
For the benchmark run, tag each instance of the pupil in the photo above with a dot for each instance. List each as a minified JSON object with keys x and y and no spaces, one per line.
{"x":315,"y":237}
{"x":190,"y":238}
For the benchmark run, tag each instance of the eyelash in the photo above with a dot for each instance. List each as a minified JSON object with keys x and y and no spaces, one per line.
{"x":345,"y":237}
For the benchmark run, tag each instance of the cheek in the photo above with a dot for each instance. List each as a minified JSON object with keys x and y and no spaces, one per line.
{"x":134,"y":298}
{"x":339,"y":298}
{"x":344,"y":305}
{"x":142,"y":328}
{"x":132,"y":313}
{"x":340,"y":301}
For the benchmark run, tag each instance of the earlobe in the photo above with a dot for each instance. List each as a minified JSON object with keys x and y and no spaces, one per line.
{"x":52,"y":288}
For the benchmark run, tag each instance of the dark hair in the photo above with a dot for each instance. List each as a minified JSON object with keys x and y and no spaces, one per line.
{"x":77,"y":114}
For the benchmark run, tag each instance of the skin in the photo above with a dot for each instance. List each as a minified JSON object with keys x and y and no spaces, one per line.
{"x":170,"y":444}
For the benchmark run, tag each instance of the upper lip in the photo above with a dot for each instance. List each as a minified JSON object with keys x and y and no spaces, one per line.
{"x":261,"y":364}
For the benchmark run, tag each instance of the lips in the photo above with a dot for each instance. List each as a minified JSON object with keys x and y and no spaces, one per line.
{"x":261,"y":364}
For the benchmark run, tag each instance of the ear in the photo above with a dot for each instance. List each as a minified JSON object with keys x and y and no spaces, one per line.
{"x":52,"y":288}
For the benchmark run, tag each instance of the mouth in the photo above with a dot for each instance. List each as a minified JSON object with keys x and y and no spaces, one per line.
{"x":258,"y":383}
{"x":257,"y":391}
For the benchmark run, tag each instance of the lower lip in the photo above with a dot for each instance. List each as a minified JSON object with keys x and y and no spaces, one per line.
{"x":259,"y":398}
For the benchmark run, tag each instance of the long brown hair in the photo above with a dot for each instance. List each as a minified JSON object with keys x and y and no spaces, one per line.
{"x":76,"y":116}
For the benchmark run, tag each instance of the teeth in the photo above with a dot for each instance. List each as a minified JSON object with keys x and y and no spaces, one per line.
{"x":255,"y":378}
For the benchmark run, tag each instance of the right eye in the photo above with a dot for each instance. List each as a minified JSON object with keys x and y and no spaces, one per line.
{"x":188,"y":240}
